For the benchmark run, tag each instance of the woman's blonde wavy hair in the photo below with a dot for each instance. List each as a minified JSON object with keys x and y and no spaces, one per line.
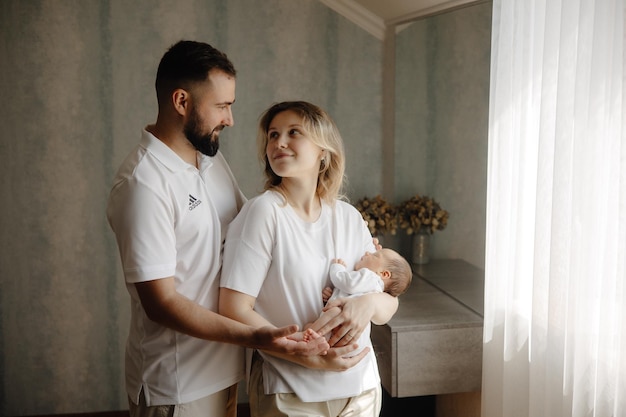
{"x":323,"y":132}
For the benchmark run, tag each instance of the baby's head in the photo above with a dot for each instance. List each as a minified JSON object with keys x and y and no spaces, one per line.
{"x":392,"y":268}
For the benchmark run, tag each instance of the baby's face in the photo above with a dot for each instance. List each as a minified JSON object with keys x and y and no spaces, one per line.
{"x":375,"y":261}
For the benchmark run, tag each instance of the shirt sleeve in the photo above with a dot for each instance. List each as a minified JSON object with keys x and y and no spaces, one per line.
{"x":353,"y":238}
{"x":144,"y":228}
{"x":356,"y":282}
{"x":248,"y":247}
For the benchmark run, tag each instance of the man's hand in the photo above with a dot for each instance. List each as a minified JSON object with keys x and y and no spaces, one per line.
{"x":289,"y":341}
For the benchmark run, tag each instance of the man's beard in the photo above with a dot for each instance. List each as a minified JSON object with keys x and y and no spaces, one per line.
{"x":208,"y":144}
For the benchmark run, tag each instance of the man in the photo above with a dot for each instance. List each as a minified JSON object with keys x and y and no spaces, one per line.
{"x":169,"y":207}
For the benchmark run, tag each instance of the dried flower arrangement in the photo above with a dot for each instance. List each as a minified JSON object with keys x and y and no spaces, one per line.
{"x":421,"y":212}
{"x":381,"y":217}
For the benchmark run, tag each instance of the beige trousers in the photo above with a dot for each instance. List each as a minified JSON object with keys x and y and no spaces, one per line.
{"x":367,"y":404}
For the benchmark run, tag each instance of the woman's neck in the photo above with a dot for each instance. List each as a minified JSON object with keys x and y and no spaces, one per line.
{"x":302,"y":198}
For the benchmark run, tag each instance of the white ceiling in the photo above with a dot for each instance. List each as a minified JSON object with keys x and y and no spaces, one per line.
{"x":376,"y":15}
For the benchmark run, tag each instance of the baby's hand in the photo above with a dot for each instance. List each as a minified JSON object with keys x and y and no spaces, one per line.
{"x":339,"y":261}
{"x":326,"y":293}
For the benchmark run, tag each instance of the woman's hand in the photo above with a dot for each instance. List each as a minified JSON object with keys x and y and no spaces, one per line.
{"x":347,"y":318}
{"x":334,"y":360}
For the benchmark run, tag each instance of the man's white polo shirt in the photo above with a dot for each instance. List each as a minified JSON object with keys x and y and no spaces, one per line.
{"x":170,"y":219}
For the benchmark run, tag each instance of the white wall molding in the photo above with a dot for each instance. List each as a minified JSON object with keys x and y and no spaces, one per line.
{"x":401,"y":17}
{"x":359,"y":15}
{"x":435,"y":8}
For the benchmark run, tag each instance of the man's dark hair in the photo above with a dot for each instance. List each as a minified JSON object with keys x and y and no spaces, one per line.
{"x":187,"y":62}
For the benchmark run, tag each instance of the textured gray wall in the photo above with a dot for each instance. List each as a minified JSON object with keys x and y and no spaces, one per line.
{"x":77,"y":80}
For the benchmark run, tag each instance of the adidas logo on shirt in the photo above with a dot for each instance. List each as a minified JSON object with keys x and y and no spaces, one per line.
{"x":193,"y":202}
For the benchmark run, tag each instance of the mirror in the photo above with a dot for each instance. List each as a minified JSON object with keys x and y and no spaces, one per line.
{"x":440,"y":123}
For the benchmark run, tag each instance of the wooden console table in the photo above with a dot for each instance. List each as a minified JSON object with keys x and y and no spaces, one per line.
{"x":433,"y":344}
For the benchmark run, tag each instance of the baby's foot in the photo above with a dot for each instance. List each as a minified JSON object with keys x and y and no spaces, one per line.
{"x":310,"y":334}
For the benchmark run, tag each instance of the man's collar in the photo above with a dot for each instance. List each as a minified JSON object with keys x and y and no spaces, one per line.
{"x":162,"y":152}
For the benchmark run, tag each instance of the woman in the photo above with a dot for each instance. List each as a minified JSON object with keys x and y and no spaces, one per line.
{"x":276,"y":263}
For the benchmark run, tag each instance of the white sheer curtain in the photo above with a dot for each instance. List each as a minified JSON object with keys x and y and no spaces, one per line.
{"x":555,"y":298}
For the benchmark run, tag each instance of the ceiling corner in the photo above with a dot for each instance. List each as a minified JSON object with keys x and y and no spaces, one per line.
{"x":359,"y":15}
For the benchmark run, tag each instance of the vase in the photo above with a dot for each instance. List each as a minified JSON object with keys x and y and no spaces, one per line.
{"x":420,"y":247}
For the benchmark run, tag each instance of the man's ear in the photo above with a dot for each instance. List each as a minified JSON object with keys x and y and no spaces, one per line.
{"x":180,"y":101}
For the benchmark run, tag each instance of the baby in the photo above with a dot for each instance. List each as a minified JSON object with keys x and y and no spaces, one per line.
{"x":384,"y":270}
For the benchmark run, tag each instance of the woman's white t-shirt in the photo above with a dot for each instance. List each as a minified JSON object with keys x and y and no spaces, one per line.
{"x":274,"y":255}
